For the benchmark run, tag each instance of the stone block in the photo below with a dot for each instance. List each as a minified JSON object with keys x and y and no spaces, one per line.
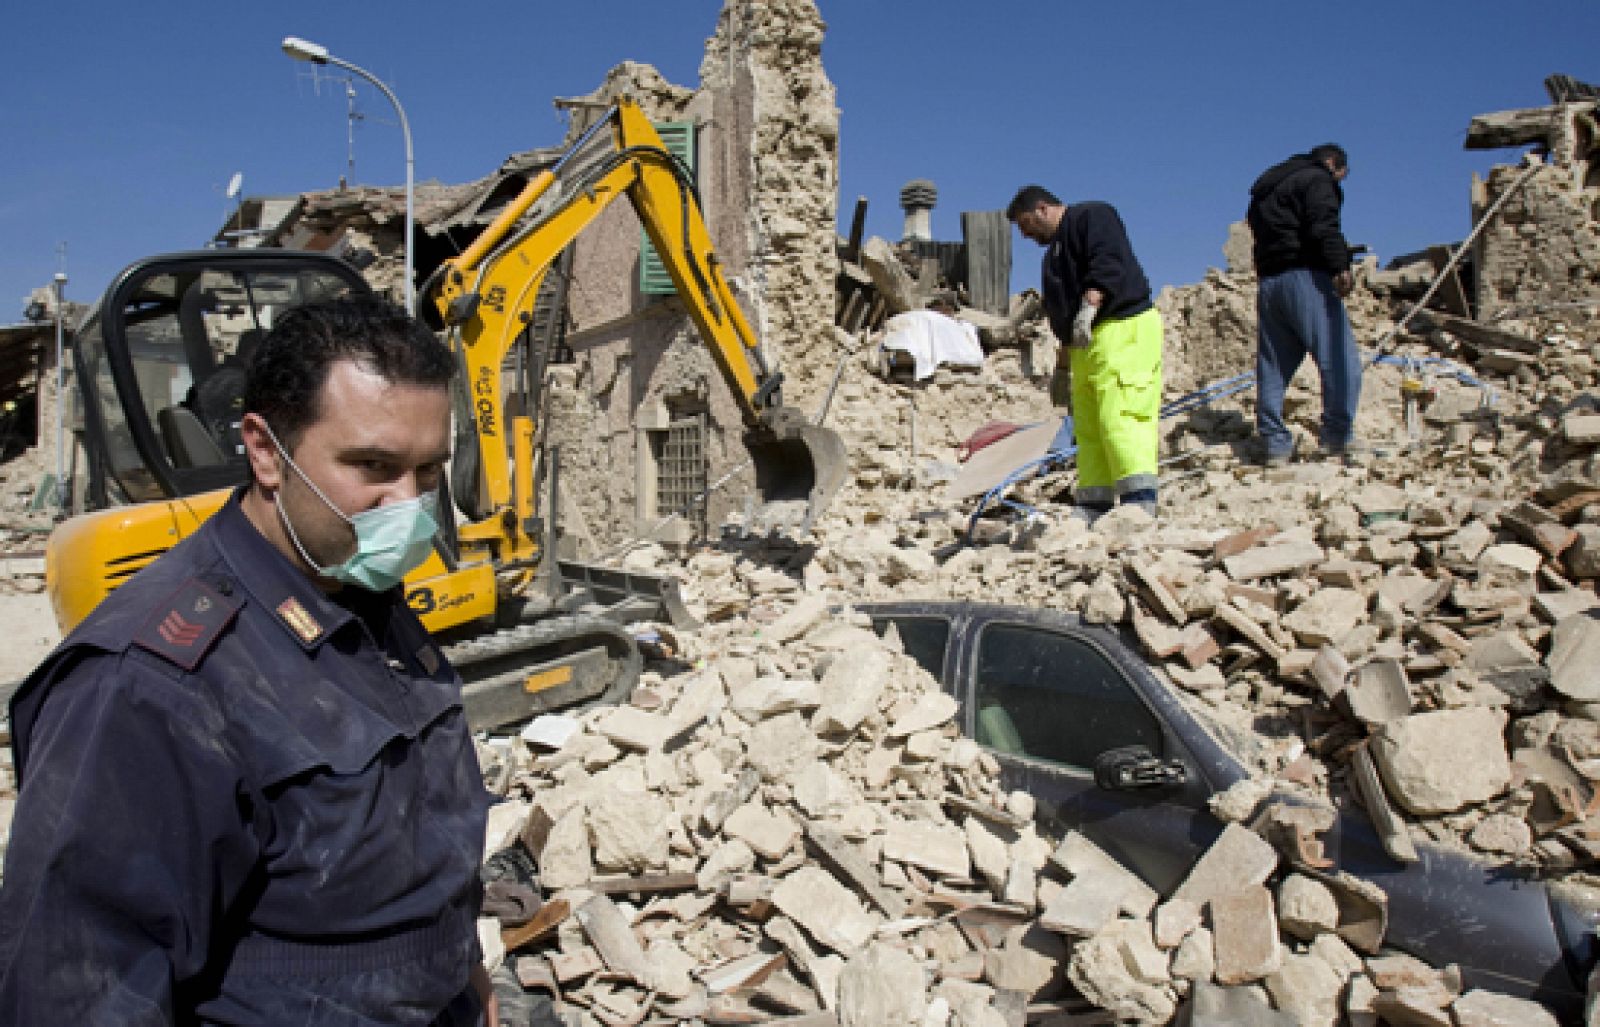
{"x":1237,"y":860}
{"x":1084,"y":907}
{"x":1246,"y":934}
{"x":1080,"y":857}
{"x":939,"y":848}
{"x":882,"y":985}
{"x":1274,"y":560}
{"x":1574,"y":659}
{"x":767,"y":696}
{"x":1510,"y":564}
{"x":1504,"y":660}
{"x":1211,"y":1005}
{"x":1100,"y":971}
{"x":630,"y":831}
{"x":770,"y":834}
{"x":1444,"y":760}
{"x":1306,"y":907}
{"x":628,"y":727}
{"x":1174,"y":921}
{"x":1481,"y":1008}
{"x":780,"y":747}
{"x":1307,"y":988}
{"x":851,"y":688}
{"x":829,"y":911}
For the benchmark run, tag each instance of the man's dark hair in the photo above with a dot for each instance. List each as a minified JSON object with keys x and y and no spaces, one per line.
{"x":1027,"y":198}
{"x":1334,"y":150}
{"x":287,"y":371}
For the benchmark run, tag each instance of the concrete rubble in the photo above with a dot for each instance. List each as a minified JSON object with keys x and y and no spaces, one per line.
{"x":759,"y":853}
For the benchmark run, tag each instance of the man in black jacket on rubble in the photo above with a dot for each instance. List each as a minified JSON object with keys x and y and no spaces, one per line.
{"x":1303,"y":264}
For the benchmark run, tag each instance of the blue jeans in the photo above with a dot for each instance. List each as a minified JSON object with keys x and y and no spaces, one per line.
{"x":1300,"y":313}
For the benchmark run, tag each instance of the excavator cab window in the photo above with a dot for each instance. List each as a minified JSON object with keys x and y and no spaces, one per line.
{"x":163,"y":367}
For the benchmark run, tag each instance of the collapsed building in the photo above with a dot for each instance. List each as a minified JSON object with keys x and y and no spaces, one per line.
{"x":1346,"y":618}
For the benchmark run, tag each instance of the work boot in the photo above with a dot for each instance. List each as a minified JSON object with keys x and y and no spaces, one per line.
{"x":1088,"y":513}
{"x":1144,"y":499}
{"x":1352,"y":452}
{"x":1266,"y":456}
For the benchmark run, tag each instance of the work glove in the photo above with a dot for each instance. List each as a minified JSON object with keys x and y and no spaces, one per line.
{"x":1083,"y":327}
{"x":1061,"y":383}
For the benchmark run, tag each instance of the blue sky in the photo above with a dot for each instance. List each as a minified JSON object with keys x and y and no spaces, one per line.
{"x":124,"y":122}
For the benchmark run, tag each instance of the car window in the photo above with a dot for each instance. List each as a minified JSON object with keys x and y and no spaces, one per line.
{"x":925,"y":639}
{"x":1055,"y":697}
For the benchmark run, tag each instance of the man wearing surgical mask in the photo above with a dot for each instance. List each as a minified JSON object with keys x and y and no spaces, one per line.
{"x":247,"y":789}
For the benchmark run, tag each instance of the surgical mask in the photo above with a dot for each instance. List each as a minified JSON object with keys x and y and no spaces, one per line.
{"x":391,"y":540}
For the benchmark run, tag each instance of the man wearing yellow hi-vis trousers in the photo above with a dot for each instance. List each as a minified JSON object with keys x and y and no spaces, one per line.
{"x":1098,"y":302}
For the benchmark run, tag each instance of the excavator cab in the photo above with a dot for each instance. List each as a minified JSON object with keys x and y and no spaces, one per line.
{"x":161,"y":366}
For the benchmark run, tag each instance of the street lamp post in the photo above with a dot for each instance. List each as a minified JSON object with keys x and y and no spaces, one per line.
{"x":63,"y":494}
{"x":304,"y":50}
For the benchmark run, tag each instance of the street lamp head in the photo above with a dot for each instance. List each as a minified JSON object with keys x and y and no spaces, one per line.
{"x":305,"y":50}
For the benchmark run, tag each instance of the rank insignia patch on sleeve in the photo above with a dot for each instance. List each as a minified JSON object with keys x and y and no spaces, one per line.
{"x":183,"y":629}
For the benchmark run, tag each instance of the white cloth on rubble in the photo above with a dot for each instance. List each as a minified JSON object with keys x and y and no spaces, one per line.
{"x":932,"y":338}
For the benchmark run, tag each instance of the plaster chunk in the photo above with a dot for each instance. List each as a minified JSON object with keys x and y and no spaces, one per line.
{"x":629,"y":727}
{"x":940,"y":848}
{"x":1509,"y":563}
{"x":822,"y":791}
{"x":1306,"y":907}
{"x":630,"y":831}
{"x":1175,"y":920}
{"x":1274,"y":560}
{"x":1237,"y":860}
{"x":829,"y":911}
{"x":1082,"y":858}
{"x":1326,"y":617}
{"x":882,"y":986}
{"x":930,"y":710}
{"x":1099,"y":969}
{"x":1574,"y":659}
{"x":1246,"y":936}
{"x":779,"y":747}
{"x":566,"y":861}
{"x":729,"y":858}
{"x":1308,"y":989}
{"x":770,"y":834}
{"x":1481,"y":1008}
{"x":1195,"y":958}
{"x":1030,"y":960}
{"x":989,"y":853}
{"x":851,"y":688}
{"x":1444,"y":760}
{"x":766,"y":696}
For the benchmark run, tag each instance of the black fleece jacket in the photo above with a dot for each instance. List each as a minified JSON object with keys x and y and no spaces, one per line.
{"x":1294,"y":217}
{"x":1091,"y":250}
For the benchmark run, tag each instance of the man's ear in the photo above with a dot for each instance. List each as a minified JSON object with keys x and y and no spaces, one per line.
{"x":266,"y":465}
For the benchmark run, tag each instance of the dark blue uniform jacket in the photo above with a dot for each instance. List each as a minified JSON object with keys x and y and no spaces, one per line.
{"x":242,"y":801}
{"x":1091,"y":249}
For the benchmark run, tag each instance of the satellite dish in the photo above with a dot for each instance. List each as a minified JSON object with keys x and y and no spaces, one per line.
{"x":235,"y":184}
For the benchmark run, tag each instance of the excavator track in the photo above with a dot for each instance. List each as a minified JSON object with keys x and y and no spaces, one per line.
{"x":560,"y":662}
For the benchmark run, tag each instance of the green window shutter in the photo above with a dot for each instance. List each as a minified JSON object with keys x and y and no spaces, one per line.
{"x":653,"y":278}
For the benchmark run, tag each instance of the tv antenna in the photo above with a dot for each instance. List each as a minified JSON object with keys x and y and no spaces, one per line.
{"x":353,"y":113}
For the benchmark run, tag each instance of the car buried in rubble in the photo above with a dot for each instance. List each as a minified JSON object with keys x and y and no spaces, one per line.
{"x":1055,"y":700}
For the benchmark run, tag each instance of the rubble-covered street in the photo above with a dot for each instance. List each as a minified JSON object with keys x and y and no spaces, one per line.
{"x":791,"y":821}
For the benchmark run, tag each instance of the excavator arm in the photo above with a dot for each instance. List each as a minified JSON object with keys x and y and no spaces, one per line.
{"x":486,"y":296}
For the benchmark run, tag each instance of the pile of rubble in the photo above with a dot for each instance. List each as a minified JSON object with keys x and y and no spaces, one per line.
{"x":793,"y":830}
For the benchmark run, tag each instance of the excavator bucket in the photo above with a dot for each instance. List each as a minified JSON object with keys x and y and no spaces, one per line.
{"x":797,"y":464}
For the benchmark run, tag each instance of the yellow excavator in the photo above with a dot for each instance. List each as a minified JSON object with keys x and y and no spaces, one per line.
{"x":160,"y":370}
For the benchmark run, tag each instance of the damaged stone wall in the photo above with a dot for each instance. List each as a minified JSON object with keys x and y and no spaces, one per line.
{"x":1539,"y":263}
{"x":766,"y":134}
{"x":765,"y":62}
